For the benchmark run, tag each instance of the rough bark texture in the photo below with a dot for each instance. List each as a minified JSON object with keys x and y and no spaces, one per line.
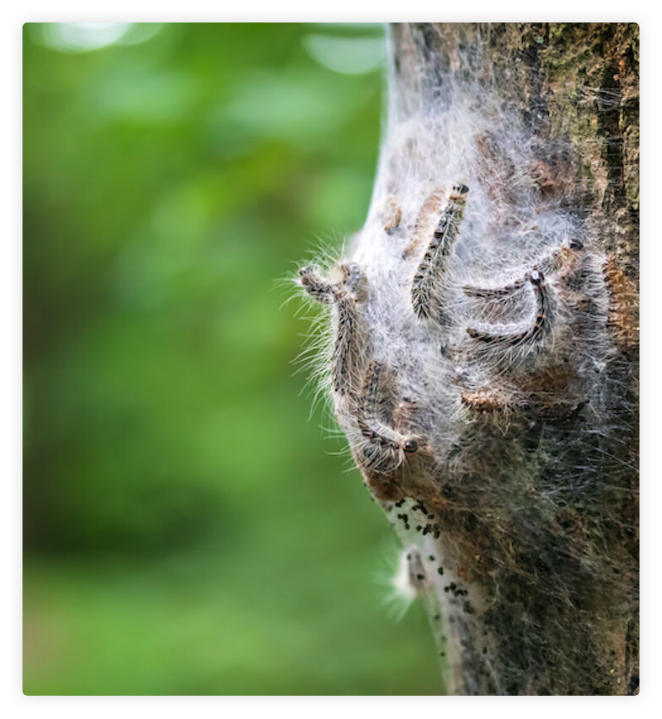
{"x":483,"y":354}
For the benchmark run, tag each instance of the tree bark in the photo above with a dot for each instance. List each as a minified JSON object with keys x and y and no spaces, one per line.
{"x":484,"y":353}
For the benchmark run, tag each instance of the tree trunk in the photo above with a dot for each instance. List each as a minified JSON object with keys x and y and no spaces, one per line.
{"x":484,"y":352}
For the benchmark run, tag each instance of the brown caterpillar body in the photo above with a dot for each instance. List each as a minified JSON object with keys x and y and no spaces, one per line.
{"x":344,"y":297}
{"x":561,"y":260}
{"x":623,"y":321}
{"x":489,"y":293}
{"x":425,"y":222}
{"x":390,"y":213}
{"x":534,"y":332}
{"x":484,"y":399}
{"x":318,"y":288}
{"x":438,"y":250}
{"x":404,"y":414}
{"x":341,"y":360}
{"x":391,"y":445}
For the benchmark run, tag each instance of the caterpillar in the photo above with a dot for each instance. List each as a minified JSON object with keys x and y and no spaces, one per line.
{"x":390,"y":445}
{"x":390,"y":213}
{"x":344,"y":297}
{"x":560,"y":259}
{"x":438,"y":250}
{"x":534,"y":331}
{"x":316,"y":287}
{"x":425,"y":222}
{"x":622,"y":321}
{"x":484,"y":399}
{"x":489,"y":293}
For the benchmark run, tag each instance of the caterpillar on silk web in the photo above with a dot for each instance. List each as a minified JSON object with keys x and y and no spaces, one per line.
{"x":434,"y":259}
{"x":344,"y":296}
{"x":534,"y":331}
{"x":390,"y":445}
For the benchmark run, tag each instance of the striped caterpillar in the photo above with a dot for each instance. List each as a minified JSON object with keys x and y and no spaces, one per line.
{"x":425,"y":222}
{"x":534,"y":332}
{"x":433,"y":263}
{"x":344,"y":297}
{"x":622,"y":321}
{"x":390,"y":446}
{"x":563,"y":258}
{"x":390,"y":213}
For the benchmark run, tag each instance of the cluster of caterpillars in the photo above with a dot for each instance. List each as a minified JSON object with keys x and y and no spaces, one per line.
{"x":364,"y":391}
{"x":361,"y":393}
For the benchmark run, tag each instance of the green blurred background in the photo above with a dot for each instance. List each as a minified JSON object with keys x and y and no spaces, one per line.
{"x":189,"y":528}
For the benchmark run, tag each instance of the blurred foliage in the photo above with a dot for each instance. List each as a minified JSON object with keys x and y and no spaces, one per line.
{"x":188,"y":529}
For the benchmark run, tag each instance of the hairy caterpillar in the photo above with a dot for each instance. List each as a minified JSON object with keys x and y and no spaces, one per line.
{"x":560,"y":259}
{"x":484,"y":399}
{"x":316,"y":287}
{"x":425,"y":222}
{"x":390,"y":444}
{"x":489,"y":293}
{"x":344,"y":297}
{"x":622,"y":321}
{"x":534,"y":331}
{"x":390,"y":213}
{"x":438,"y":250}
